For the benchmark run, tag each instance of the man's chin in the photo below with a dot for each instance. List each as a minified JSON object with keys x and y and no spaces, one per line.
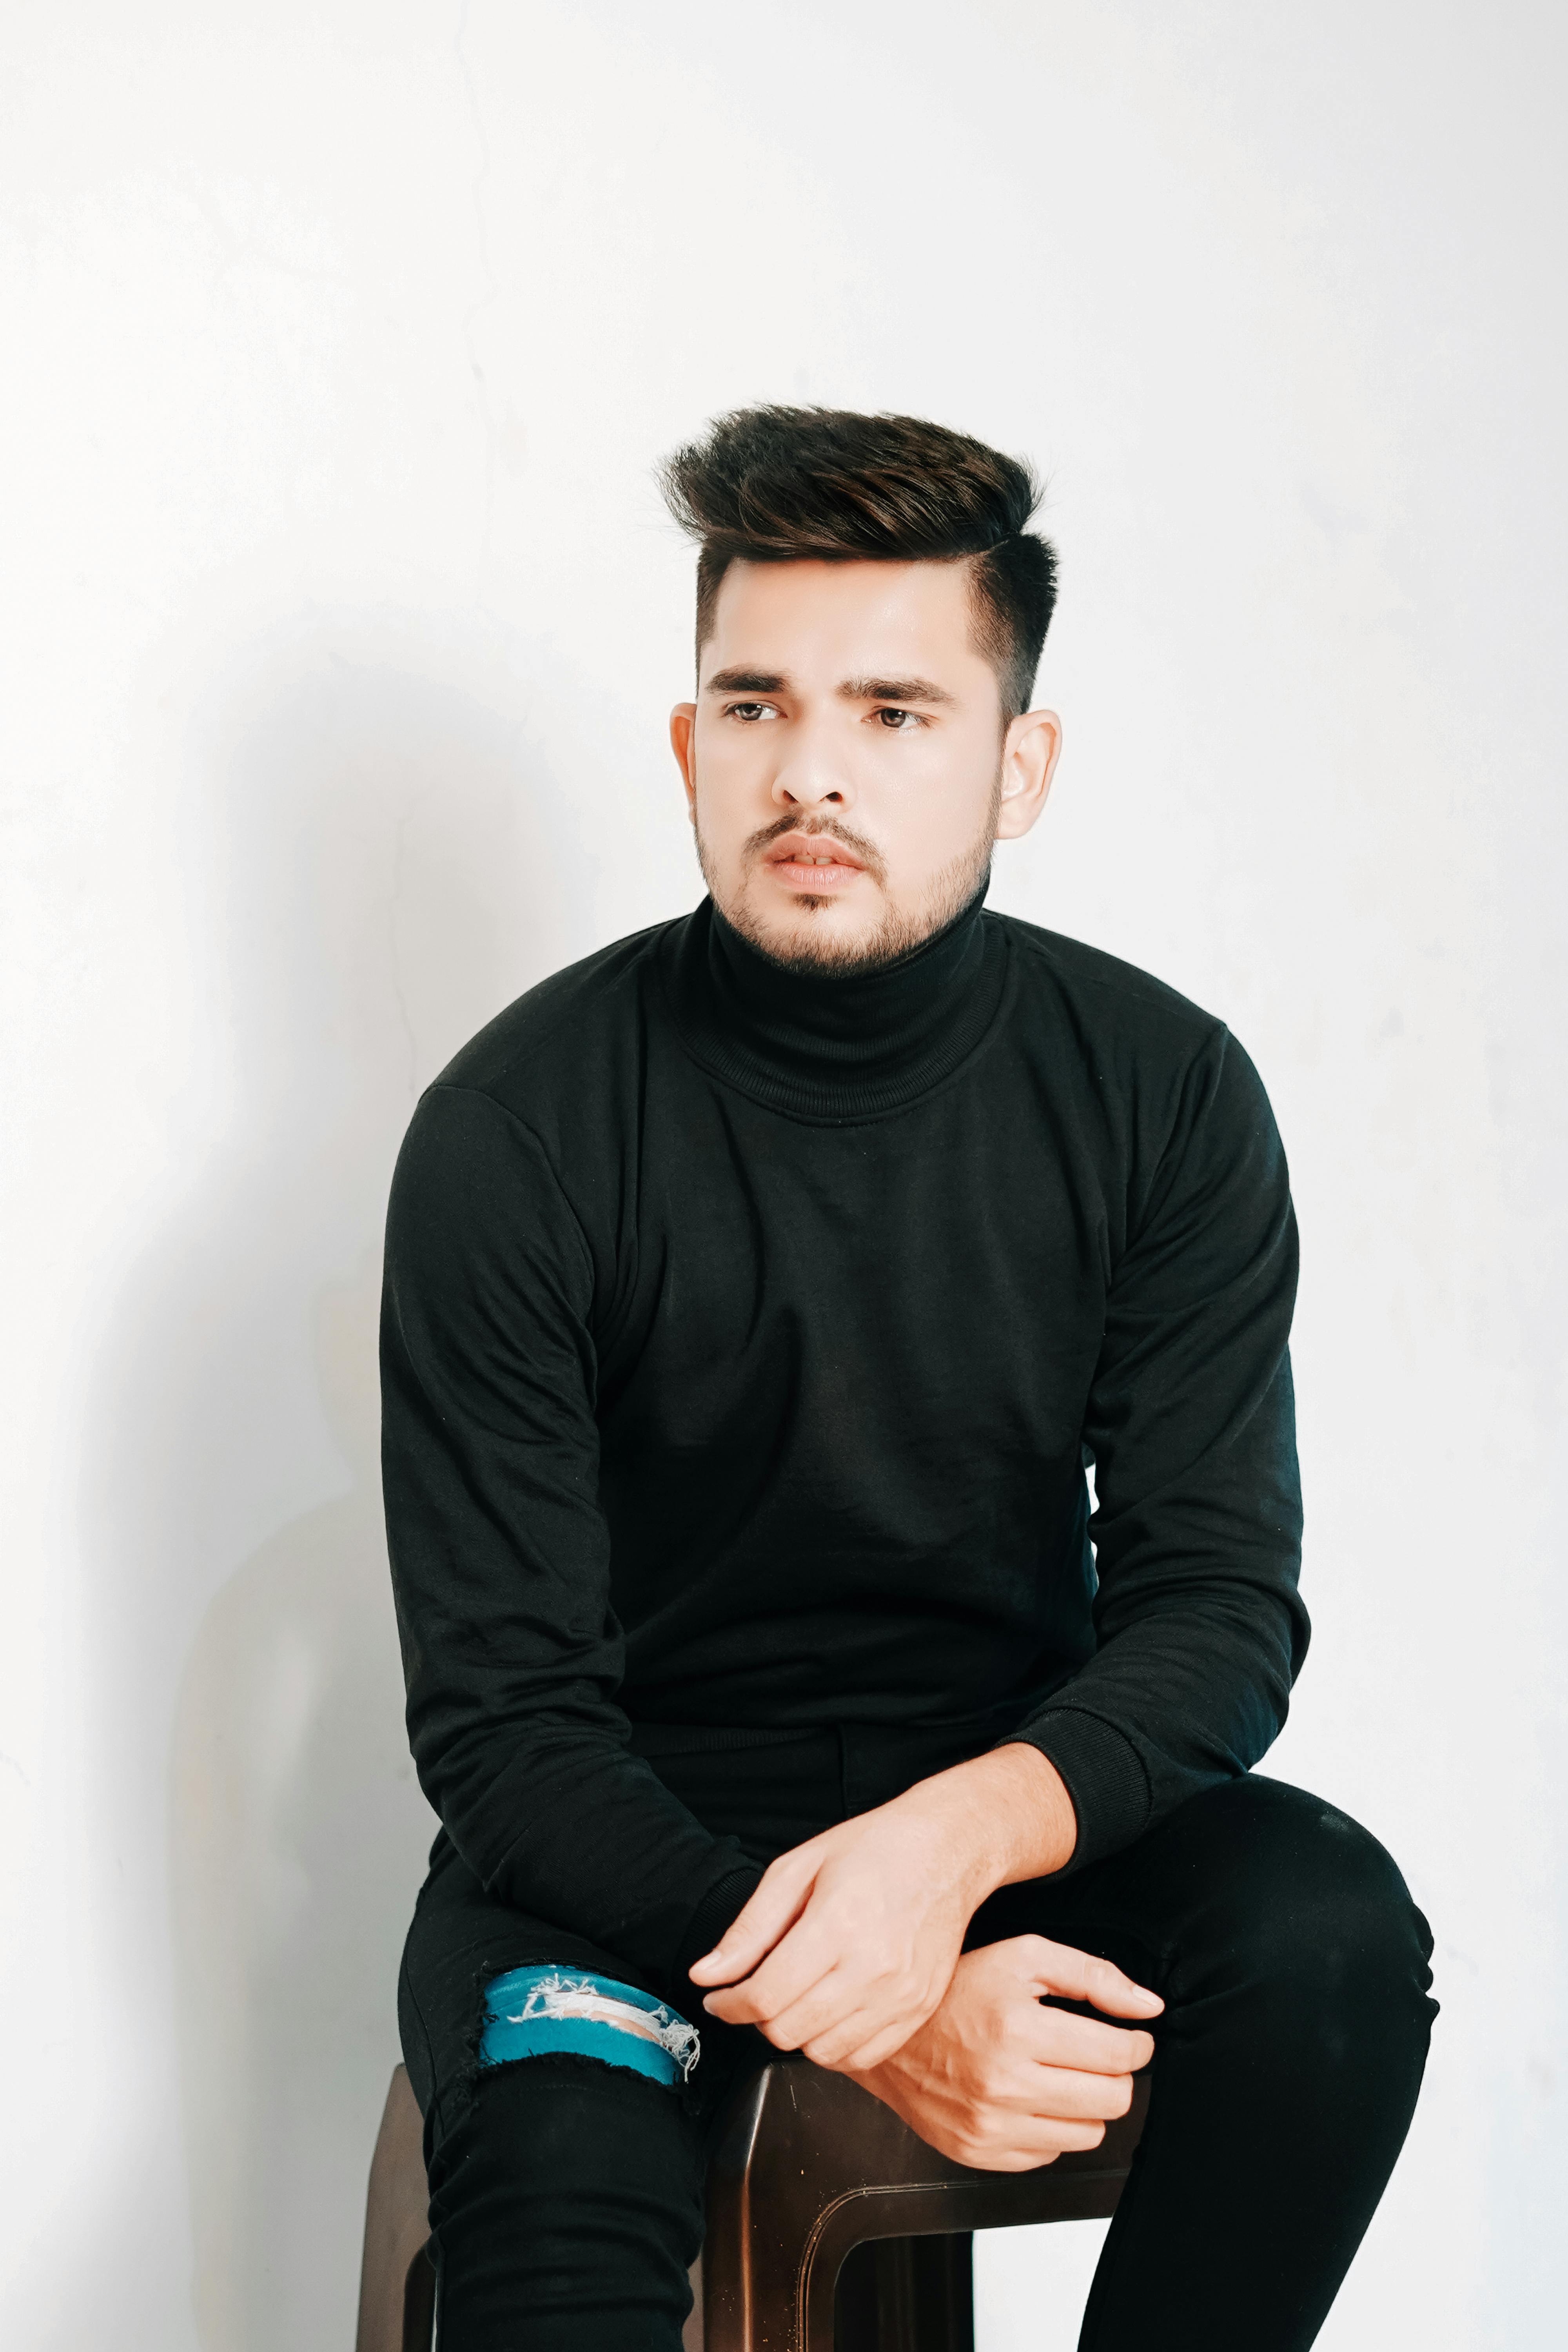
{"x":812,"y":936}
{"x":826,"y":936}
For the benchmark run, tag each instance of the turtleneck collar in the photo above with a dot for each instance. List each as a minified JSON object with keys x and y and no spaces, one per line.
{"x":835,"y":1046}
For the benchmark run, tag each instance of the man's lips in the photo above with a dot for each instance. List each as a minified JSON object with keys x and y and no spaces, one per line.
{"x":813,"y":862}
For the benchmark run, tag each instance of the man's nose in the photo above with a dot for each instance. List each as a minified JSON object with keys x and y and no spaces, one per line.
{"x":810,"y":777}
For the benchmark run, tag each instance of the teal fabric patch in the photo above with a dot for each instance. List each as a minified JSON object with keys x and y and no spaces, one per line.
{"x":530,"y":2012}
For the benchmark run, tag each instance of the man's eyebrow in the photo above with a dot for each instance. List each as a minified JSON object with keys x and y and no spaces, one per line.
{"x":747,"y":681}
{"x":893,"y":689}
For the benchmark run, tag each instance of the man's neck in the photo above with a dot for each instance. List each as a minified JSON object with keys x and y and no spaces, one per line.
{"x":836,"y":1046}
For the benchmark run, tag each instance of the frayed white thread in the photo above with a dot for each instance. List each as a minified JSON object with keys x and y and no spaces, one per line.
{"x":580,"y":1997}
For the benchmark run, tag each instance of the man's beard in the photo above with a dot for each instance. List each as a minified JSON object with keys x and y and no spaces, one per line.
{"x":902,"y":930}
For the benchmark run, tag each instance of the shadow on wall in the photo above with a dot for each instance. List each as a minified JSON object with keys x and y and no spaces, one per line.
{"x":375,"y":830}
{"x":298,"y":1841}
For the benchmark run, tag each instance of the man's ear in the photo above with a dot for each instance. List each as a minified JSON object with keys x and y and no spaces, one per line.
{"x":683,"y":743}
{"x":1030,"y":749}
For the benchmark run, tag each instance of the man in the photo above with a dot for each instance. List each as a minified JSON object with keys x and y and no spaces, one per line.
{"x":758,"y":1292}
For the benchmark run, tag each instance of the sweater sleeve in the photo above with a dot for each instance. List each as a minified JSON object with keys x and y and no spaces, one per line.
{"x":499,"y":1551}
{"x":1190,"y":1427}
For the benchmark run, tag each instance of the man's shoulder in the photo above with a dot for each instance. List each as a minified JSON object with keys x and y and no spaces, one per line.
{"x":1103,"y":994}
{"x":1136,"y":1041}
{"x":562,"y":1023}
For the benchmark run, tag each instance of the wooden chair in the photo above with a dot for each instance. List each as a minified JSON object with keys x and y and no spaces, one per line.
{"x":831,"y":2228}
{"x":396,"y":2278}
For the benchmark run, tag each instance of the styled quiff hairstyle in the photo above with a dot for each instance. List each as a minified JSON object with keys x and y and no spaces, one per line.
{"x":790,"y":485}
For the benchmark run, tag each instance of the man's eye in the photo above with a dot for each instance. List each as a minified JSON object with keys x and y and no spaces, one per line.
{"x":750,"y":712}
{"x":899,"y":722}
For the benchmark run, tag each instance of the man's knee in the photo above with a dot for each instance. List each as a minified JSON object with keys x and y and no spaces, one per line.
{"x":547,"y":2011}
{"x":575,"y":2106}
{"x":1303,"y":1905}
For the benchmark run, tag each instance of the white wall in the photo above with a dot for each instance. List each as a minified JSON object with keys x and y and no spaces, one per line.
{"x":340,"y":623}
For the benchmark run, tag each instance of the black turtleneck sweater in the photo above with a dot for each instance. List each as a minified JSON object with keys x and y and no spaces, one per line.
{"x":746,"y":1338}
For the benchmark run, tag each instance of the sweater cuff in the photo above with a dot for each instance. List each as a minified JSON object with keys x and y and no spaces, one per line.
{"x":722,"y":1904}
{"x":1104,"y":1776}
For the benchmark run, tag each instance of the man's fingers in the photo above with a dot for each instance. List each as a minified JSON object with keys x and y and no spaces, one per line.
{"x":1019,"y":2146}
{"x":858,"y":2056}
{"x":802,"y":1954}
{"x":1055,"y":2037}
{"x":1081,"y":1976}
{"x":764,"y":1996}
{"x":753,"y":1933}
{"x":1062,"y":2094}
{"x":839,"y":2044}
{"x":998,"y":2140}
{"x":802,"y":1999}
{"x":1047,"y":2094}
{"x":829,"y":2015}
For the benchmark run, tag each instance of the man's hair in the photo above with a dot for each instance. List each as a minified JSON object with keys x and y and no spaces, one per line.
{"x":792,"y":485}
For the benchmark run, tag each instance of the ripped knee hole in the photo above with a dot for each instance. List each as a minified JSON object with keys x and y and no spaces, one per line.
{"x":536,"y":2012}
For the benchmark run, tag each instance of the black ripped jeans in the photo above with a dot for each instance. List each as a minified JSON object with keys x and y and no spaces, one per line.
{"x":567,"y":2198}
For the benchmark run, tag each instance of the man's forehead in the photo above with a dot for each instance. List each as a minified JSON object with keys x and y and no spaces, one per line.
{"x":836,"y":622}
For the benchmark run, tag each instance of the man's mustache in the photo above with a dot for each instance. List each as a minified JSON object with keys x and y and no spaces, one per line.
{"x":813,"y":829}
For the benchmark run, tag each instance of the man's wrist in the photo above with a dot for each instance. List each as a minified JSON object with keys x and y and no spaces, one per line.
{"x":1041,"y":1822}
{"x":1028,"y":1826}
{"x":1011,"y":1816}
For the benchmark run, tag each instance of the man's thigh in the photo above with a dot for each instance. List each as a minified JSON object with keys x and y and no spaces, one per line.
{"x":1254,"y":1880}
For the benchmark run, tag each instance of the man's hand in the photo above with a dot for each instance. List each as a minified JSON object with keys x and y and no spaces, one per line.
{"x":998,"y":2082}
{"x":851,"y":1939}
